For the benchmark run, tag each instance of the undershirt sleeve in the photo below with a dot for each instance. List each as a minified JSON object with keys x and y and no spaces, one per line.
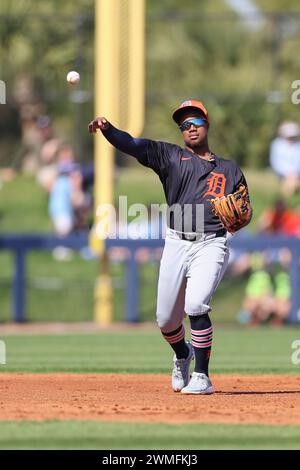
{"x":150,"y":153}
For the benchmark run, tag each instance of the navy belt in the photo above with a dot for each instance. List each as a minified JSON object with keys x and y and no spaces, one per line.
{"x":191,"y":238}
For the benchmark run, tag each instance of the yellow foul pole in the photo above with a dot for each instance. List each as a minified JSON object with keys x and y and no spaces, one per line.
{"x":136,"y":75}
{"x":119,"y":92}
{"x":106,"y":104}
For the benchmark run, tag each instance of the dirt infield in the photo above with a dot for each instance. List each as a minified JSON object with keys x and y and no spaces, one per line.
{"x":267,"y":399}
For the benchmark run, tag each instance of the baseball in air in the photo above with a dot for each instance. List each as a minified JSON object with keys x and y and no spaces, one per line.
{"x":73,"y":77}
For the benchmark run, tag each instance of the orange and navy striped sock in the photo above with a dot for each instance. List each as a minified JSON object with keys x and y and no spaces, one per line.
{"x":177,"y":342}
{"x":202,"y":334}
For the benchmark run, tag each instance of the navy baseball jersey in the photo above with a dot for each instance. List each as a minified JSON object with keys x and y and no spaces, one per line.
{"x":187,"y":179}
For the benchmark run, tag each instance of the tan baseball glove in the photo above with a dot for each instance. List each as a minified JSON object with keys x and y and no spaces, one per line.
{"x":233,"y":210}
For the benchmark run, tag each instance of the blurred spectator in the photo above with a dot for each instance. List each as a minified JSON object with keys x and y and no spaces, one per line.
{"x":47,"y":164}
{"x":280,"y":219}
{"x":267,"y":296}
{"x":258,"y":302}
{"x":69,"y":205}
{"x":285,"y":157}
{"x":60,"y":202}
{"x":88,"y":176}
{"x":282,"y":288}
{"x":27,"y":158}
{"x":282,"y":298}
{"x":65,"y":157}
{"x":39,"y":144}
{"x":81,"y":201}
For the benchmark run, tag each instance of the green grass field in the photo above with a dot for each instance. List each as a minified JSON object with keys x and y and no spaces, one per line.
{"x":109,"y":436}
{"x":236,"y":350}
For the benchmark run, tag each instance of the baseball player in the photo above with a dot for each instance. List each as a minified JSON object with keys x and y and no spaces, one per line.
{"x":194,"y":259}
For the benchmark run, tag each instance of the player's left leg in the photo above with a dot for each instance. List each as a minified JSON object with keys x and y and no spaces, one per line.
{"x":207,"y":267}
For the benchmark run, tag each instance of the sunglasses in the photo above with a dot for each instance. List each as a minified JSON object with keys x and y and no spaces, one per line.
{"x":197,"y":122}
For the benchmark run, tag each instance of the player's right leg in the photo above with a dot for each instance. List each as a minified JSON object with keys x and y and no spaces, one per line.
{"x":170,"y":309}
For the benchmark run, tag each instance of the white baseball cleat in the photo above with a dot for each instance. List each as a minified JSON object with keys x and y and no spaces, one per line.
{"x":180,"y":372}
{"x":199,"y":384}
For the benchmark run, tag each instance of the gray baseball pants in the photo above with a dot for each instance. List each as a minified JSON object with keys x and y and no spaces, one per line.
{"x":190,"y":272}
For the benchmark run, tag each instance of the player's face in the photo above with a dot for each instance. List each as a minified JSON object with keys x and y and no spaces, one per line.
{"x":195,"y":135}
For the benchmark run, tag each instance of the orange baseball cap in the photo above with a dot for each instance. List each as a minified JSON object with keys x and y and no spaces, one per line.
{"x":190,"y":104}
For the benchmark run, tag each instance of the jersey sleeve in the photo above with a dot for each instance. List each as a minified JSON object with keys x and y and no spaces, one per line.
{"x":150,"y":153}
{"x":239,"y":178}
